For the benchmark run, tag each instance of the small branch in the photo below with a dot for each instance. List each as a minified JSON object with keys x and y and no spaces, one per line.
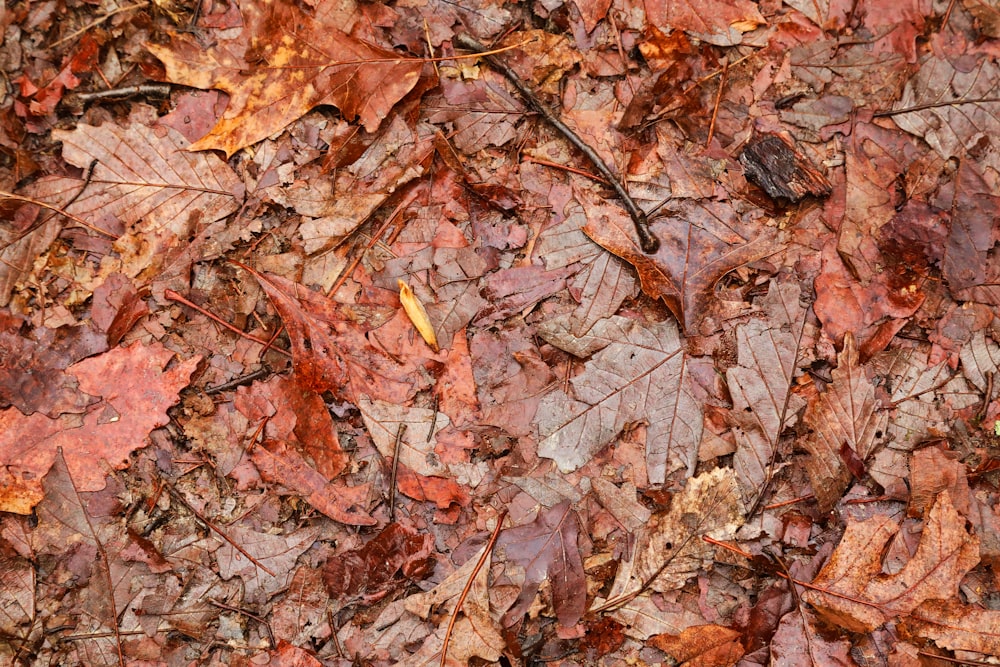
{"x":211,"y":526}
{"x":99,"y":20}
{"x":933,"y":105}
{"x":158,"y":89}
{"x":468,"y":586}
{"x":649,"y":243}
{"x":395,"y":468}
{"x":80,"y":221}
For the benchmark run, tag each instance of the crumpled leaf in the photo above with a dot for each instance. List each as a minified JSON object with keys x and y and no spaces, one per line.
{"x":368,"y":573}
{"x":641,"y":375}
{"x":851,"y":592}
{"x":476,"y":632}
{"x":671,"y":548}
{"x":547,"y":550}
{"x":761,"y":385}
{"x":135,"y":393}
{"x":700,"y":242}
{"x":294,"y":62}
{"x":33,"y":376}
{"x":277,"y":553}
{"x":847,"y":414}
{"x":329,"y":349}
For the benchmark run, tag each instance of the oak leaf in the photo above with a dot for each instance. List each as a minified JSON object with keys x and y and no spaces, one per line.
{"x":955,"y":626}
{"x":294,"y":62}
{"x":852,"y":592}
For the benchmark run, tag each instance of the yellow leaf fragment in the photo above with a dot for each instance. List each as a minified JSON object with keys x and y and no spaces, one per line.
{"x":415,"y":311}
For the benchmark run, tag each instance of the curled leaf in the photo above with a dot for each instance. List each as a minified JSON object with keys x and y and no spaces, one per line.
{"x":415,"y":311}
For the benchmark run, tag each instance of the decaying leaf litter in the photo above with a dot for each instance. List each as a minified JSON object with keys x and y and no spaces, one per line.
{"x":323,"y":345}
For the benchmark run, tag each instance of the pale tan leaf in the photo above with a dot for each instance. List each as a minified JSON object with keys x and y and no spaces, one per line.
{"x":761,"y":385}
{"x":641,"y":376}
{"x":417,"y":314}
{"x":852,"y":592}
{"x":980,"y":358}
{"x":671,"y":549}
{"x":416,"y":449}
{"x":622,"y":503}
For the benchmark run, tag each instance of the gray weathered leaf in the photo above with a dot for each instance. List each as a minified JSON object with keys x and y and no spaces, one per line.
{"x":641,"y":376}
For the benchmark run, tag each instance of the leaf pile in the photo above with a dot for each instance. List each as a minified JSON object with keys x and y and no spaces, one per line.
{"x":321,"y":345}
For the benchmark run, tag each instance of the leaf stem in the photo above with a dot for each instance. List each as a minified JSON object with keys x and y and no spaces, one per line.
{"x":647,"y":241}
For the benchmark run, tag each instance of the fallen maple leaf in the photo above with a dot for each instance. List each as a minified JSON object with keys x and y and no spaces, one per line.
{"x":847,"y":414}
{"x":640,"y":375}
{"x":851,"y":592}
{"x":721,"y":22}
{"x":135,"y":393}
{"x":546,"y":548}
{"x":294,"y":62}
{"x":700,"y":242}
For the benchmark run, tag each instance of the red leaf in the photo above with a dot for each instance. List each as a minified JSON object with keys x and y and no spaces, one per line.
{"x":368,"y":573}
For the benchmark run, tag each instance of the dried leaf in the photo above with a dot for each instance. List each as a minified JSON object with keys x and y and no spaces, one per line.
{"x":547,"y":550}
{"x":980,"y":360}
{"x":135,"y":393}
{"x":415,"y":311}
{"x":702,"y":646}
{"x":720,"y":22}
{"x":798,"y":641}
{"x":329,"y":349}
{"x":640,"y":376}
{"x":851,"y":591}
{"x":416,"y":447}
{"x":277,"y":553}
{"x":955,"y":626}
{"x":847,"y":413}
{"x":368,"y":573}
{"x":671,"y":549}
{"x":700,"y":242}
{"x":761,"y":385}
{"x":295,"y":62}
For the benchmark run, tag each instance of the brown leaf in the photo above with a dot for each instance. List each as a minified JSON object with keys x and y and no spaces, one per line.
{"x":283,"y":465}
{"x":546,"y":548}
{"x":852,"y":592}
{"x":933,"y":470}
{"x":700,"y":242}
{"x":33,"y":377}
{"x":294,"y":62}
{"x":847,"y":413}
{"x":135,"y":393}
{"x":329,"y":349}
{"x":416,"y":447}
{"x":397,"y":553}
{"x":955,"y":626}
{"x":798,"y":642}
{"x":671,"y":548}
{"x":146,"y":181}
{"x":641,"y":375}
{"x":720,"y":22}
{"x":761,"y":385}
{"x":702,"y":646}
{"x":974,"y":224}
{"x":277,"y":553}
{"x":441,"y":491}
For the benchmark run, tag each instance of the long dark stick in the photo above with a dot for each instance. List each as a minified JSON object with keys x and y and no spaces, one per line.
{"x":647,"y":240}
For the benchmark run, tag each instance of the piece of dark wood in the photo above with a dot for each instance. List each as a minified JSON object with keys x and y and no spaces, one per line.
{"x":771,"y":162}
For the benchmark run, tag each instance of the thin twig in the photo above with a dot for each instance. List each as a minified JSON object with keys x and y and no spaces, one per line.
{"x":262,"y":621}
{"x":718,"y":101}
{"x":160,"y":89}
{"x":80,"y":221}
{"x":933,"y":105}
{"x":211,"y":526}
{"x":395,"y":468}
{"x":647,"y":241}
{"x":468,"y":586}
{"x":174,"y":296}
